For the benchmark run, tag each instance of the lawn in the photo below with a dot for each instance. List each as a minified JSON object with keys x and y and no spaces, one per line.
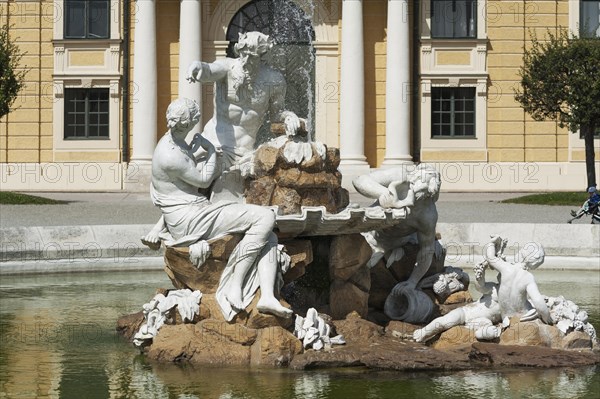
{"x":566,"y":198}
{"x":10,"y":198}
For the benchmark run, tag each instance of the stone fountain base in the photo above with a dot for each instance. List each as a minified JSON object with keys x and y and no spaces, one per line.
{"x":213,"y":342}
{"x":372,"y":340}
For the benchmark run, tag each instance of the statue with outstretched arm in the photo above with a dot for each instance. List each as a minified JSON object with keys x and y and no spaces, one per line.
{"x":518,"y":293}
{"x":247,"y":91}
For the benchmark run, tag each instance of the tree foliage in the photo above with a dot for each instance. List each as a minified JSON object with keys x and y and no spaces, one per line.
{"x":560,"y":80}
{"x":11,"y":78}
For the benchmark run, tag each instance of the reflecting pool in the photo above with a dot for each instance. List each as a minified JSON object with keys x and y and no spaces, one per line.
{"x":57,"y":339}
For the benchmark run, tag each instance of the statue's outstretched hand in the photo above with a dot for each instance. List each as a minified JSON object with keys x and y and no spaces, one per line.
{"x":194,"y":72}
{"x":152,"y":240}
{"x":387,"y":200}
{"x":498,"y":243}
{"x":390,"y":199}
{"x":292,"y":123}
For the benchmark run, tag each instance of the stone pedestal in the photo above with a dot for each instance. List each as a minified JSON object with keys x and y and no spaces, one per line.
{"x":350,"y":277}
{"x":291,"y":185}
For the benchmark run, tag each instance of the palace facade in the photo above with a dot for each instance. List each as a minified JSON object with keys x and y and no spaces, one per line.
{"x":388,"y":82}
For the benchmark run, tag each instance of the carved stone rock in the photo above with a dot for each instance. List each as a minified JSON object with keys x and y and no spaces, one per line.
{"x":455,"y":337}
{"x":350,"y":278}
{"x":400,"y":329}
{"x":301,"y":255}
{"x":531,"y":333}
{"x":577,"y":340}
{"x":184,"y":274}
{"x":461,"y":297}
{"x":274,"y":346}
{"x":313,"y":181}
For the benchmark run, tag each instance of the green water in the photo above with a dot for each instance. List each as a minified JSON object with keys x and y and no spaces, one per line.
{"x":57,"y":340}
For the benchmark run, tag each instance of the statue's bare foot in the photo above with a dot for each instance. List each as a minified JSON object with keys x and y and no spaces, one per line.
{"x":272,"y":306}
{"x":235,"y":299}
{"x":151,"y":241}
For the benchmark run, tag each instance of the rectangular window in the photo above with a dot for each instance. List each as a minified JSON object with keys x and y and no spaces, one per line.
{"x":453,"y":18}
{"x":86,"y":114}
{"x":589,"y":18}
{"x":453,"y":112}
{"x":87,"y":19}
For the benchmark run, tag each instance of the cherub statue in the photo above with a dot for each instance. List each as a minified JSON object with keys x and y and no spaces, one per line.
{"x":515,"y":294}
{"x":518,"y":293}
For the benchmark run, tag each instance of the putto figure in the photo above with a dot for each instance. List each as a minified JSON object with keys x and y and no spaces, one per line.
{"x":518,"y":293}
{"x":189,"y":217}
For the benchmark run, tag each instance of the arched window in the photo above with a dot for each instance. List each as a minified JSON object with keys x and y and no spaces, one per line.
{"x":292,"y":54}
{"x":282,"y":20}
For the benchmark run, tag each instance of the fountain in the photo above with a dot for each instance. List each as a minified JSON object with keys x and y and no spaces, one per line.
{"x":279,"y":237}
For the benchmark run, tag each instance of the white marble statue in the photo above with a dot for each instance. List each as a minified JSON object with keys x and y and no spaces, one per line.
{"x":569,"y":317}
{"x":189,"y":217}
{"x":246,"y":91}
{"x":515,"y":294}
{"x":156,"y":312}
{"x":415,"y":189}
{"x":518,"y":293}
{"x":314,"y":332}
{"x":481,"y":316}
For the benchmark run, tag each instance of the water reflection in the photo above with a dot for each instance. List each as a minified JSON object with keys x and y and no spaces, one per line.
{"x":57,"y":340}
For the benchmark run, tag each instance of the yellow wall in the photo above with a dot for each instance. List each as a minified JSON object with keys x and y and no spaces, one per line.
{"x":167,"y":50}
{"x":375,"y":21}
{"x":26,"y":133}
{"x":512,"y":135}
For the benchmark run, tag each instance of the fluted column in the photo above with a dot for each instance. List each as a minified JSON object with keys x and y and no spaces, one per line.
{"x":144,"y":82}
{"x":144,"y":97}
{"x":352,"y":89}
{"x":190,"y":49}
{"x":397,"y":87}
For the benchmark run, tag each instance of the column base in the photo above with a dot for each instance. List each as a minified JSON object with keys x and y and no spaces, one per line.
{"x":138,"y":176}
{"x":397,"y":161}
{"x":351,"y":169}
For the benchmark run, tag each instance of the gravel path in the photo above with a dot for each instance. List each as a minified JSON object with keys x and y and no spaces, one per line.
{"x":123,"y":208}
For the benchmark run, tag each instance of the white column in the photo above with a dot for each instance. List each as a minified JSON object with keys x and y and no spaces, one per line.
{"x":144,"y":96}
{"x":190,"y":49}
{"x":352,"y":91}
{"x":397,"y":87}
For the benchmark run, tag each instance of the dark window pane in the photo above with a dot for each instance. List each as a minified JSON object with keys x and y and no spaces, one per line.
{"x":98,"y":17}
{"x":104,"y":119}
{"x":470,"y":130}
{"x":74,"y":19}
{"x":459,"y":118}
{"x":86,"y":113}
{"x":590,"y":18}
{"x":87,"y":19}
{"x":452,"y":111}
{"x":442,"y":17}
{"x":453,"y":18}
